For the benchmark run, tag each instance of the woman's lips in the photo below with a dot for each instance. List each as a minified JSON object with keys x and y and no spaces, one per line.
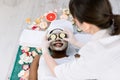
{"x":58,"y":44}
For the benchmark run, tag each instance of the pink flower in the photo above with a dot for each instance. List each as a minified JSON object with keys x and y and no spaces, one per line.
{"x":25,"y":67}
{"x":21,"y":78}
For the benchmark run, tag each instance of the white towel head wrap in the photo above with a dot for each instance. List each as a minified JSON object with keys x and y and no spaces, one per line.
{"x":61,"y":24}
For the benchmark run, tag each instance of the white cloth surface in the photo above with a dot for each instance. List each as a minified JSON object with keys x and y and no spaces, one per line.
{"x":43,"y":70}
{"x":98,"y":57}
{"x":31,"y":38}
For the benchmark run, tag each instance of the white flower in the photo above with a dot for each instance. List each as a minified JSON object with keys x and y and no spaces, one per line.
{"x":43,"y":25}
{"x":39,"y":50}
{"x":23,"y":56}
{"x":21,"y":73}
{"x":26,"y":59}
{"x":34,"y":53}
{"x":25,"y":67}
{"x":21,"y":62}
{"x":25,"y":48}
{"x":25,"y":76}
{"x":30,"y":59}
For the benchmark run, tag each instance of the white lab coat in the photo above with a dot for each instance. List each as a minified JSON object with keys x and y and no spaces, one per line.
{"x":43,"y":70}
{"x":99,"y":60}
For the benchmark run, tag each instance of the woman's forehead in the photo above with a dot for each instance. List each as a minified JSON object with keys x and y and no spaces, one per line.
{"x":57,"y":31}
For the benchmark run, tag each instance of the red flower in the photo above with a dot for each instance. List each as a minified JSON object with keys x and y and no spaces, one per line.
{"x":27,"y":53}
{"x":34,"y":27}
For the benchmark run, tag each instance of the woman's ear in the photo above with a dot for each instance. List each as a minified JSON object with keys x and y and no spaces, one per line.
{"x":86,"y":26}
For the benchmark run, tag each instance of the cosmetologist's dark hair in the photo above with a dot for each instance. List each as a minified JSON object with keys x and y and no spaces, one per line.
{"x":97,"y":12}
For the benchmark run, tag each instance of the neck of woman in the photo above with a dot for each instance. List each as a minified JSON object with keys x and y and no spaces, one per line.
{"x":59,"y":54}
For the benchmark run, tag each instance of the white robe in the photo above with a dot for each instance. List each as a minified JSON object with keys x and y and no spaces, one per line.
{"x":43,"y":70}
{"x":99,"y":60}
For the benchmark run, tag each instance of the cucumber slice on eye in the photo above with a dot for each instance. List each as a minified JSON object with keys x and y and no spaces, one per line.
{"x":53,"y":37}
{"x":62,"y":35}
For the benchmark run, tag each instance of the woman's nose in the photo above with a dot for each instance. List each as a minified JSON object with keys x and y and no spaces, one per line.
{"x":57,"y":38}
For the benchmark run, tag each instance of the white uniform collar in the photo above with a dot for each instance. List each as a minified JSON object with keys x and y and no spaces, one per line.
{"x":104,"y":36}
{"x":101,"y":34}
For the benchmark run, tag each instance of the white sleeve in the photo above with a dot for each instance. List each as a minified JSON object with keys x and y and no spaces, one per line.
{"x":76,"y":70}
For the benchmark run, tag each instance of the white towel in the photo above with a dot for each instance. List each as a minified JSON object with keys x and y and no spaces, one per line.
{"x":31,"y":38}
{"x":61,"y":24}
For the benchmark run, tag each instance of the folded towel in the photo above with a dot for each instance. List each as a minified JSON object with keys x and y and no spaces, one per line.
{"x":31,"y":38}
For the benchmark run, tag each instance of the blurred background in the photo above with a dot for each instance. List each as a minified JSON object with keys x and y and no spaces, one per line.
{"x":13,"y":14}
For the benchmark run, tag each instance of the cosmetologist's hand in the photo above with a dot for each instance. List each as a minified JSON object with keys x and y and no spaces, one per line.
{"x":45,"y":44}
{"x":71,"y":39}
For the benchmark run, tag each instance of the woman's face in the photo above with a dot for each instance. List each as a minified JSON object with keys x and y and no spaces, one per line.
{"x":58,"y":44}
